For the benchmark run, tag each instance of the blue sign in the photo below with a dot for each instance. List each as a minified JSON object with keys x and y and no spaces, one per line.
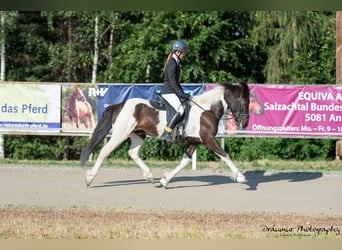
{"x":113,"y":94}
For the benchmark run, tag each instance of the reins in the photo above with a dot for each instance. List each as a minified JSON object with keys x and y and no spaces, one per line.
{"x":203,"y":109}
{"x":197,"y":104}
{"x":227,"y":111}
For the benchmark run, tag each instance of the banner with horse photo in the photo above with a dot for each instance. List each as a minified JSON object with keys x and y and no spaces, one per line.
{"x":79,"y":107}
{"x":82,"y":105}
{"x":30,"y":107}
{"x":113,"y":94}
{"x":290,"y":111}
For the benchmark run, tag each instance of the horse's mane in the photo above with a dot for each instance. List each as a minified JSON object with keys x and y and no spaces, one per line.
{"x":210,"y":97}
{"x":215,"y":93}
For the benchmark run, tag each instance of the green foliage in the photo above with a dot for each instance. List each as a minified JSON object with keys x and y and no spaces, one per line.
{"x":241,"y":149}
{"x":33,"y":147}
{"x":258,"y":46}
{"x":157,"y":149}
{"x":218,"y":50}
{"x":249,"y":149}
{"x":297,"y":44}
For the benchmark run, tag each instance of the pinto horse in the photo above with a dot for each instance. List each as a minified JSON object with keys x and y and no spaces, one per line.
{"x":79,"y":109}
{"x":136,"y":118}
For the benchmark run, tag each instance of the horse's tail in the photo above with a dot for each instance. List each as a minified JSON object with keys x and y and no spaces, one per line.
{"x":102,"y":129}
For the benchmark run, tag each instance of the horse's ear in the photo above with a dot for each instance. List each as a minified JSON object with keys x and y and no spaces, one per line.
{"x":244,"y":86}
{"x":243,"y":83}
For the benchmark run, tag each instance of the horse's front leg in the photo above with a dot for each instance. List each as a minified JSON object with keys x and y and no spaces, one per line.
{"x":237,"y":175}
{"x":91,"y":120}
{"x":169,"y":175}
{"x":77,"y":121}
{"x":213,"y":144}
{"x":184,"y":162}
{"x":133,"y":152}
{"x":85,"y":121}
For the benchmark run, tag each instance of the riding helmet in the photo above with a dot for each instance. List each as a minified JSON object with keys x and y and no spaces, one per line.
{"x":180,"y":45}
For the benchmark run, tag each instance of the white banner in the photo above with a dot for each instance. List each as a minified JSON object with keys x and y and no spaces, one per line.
{"x":30,"y":107}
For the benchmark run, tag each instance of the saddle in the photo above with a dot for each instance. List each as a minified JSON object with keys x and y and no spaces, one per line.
{"x":161,"y":104}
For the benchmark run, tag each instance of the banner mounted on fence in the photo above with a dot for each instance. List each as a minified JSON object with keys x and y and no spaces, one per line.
{"x":79,"y":107}
{"x":83,"y":105}
{"x":275,"y":110}
{"x":112,"y":94}
{"x":291,"y":110}
{"x":30,"y":107}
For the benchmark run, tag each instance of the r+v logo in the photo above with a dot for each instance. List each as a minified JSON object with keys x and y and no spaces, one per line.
{"x":97,"y":91}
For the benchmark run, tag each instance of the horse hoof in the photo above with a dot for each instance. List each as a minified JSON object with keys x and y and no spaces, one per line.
{"x":89,"y":179}
{"x":88,"y":182}
{"x":163,"y":182}
{"x":149,"y":177}
{"x":240,"y":178}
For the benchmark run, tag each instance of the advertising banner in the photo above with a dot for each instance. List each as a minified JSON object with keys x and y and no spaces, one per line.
{"x":83,"y":105}
{"x":113,"y":94}
{"x":275,"y":110}
{"x":79,"y":107}
{"x":30,"y":107}
{"x":291,"y":110}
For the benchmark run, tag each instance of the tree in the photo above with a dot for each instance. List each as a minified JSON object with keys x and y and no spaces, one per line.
{"x":295,"y":42}
{"x":2,"y":46}
{"x":273,"y":46}
{"x":219,"y":50}
{"x":3,"y":23}
{"x":2,"y":67}
{"x":96,"y":50}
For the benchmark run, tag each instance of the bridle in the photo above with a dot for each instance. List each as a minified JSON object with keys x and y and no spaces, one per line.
{"x":239,"y":115}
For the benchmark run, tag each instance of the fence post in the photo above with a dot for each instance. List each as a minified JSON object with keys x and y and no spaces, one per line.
{"x":194,"y":160}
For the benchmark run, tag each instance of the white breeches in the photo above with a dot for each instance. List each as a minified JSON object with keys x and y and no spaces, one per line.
{"x":174,"y":101}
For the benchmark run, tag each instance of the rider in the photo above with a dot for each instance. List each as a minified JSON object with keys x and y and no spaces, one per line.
{"x":172,"y":91}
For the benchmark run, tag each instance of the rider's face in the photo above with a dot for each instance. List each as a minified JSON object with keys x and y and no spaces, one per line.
{"x":180,"y":54}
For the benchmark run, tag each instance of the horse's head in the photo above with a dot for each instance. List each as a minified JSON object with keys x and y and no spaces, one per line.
{"x":255,"y":105}
{"x":78,"y":94}
{"x":237,"y":98}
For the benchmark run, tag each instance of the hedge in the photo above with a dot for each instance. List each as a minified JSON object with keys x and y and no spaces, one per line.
{"x":20,"y":147}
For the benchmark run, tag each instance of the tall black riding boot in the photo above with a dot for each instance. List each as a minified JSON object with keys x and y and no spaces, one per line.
{"x":170,"y":125}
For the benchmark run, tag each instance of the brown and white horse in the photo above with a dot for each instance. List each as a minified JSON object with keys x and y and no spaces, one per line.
{"x":79,"y":109}
{"x":136,"y":118}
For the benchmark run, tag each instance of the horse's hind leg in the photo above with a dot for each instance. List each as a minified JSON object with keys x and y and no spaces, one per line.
{"x":133,"y":152}
{"x":113,"y":143}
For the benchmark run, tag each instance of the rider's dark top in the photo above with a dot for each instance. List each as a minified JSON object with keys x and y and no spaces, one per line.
{"x":171,"y":79}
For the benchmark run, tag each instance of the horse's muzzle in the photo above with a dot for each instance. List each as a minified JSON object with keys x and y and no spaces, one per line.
{"x":243,"y":122}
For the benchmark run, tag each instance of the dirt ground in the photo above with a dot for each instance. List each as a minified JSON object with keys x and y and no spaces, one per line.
{"x":309,"y":193}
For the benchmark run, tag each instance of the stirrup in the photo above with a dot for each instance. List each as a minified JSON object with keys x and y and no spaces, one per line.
{"x":166,"y":136}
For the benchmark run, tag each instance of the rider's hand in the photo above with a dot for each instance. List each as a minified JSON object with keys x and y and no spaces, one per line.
{"x":188,"y":97}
